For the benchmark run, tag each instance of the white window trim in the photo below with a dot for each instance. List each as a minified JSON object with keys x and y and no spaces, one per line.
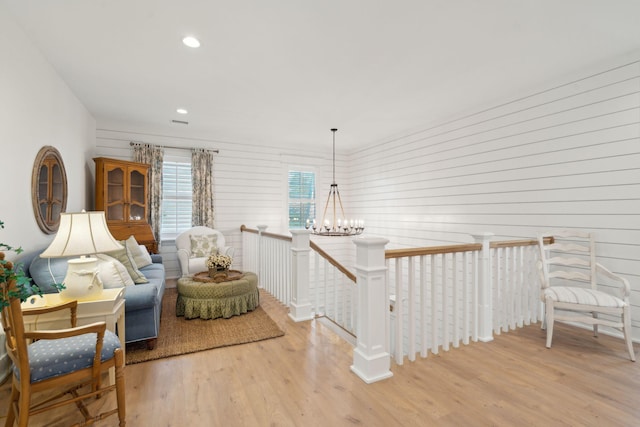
{"x":310,"y":164}
{"x":178,"y":156}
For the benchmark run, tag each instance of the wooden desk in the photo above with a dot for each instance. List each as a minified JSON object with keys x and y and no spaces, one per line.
{"x":108,"y":308}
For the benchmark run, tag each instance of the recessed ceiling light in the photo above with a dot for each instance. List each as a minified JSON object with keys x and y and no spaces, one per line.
{"x":191,"y":41}
{"x":181,"y":111}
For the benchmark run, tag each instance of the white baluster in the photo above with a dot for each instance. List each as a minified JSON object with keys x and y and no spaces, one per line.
{"x":433,"y":306}
{"x":445,"y":305}
{"x":412,"y":309}
{"x":466,"y":289}
{"x":455,"y":309}
{"x":484,"y":289}
{"x":261,"y":252}
{"x":399,"y":315}
{"x":423,"y":306}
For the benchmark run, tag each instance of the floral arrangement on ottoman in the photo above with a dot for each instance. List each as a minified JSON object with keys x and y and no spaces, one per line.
{"x":218,"y":263}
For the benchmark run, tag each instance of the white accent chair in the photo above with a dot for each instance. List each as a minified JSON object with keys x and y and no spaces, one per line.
{"x":190,"y":265}
{"x":575,"y":295}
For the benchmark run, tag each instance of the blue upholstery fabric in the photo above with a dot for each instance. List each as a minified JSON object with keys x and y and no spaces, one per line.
{"x":143,"y":303}
{"x":50,"y":358}
{"x":139,"y":297}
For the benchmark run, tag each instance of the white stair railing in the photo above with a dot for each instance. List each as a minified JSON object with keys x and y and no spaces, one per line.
{"x":269,"y":256}
{"x":443,"y":296}
{"x":434,"y":298}
{"x":516,"y":287}
{"x":313,"y":285}
{"x":332,"y":290}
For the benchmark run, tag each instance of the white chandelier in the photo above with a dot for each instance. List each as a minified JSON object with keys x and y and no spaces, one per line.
{"x":340,"y":225}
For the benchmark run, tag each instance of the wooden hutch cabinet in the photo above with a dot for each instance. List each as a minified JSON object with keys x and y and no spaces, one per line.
{"x":121,"y":192}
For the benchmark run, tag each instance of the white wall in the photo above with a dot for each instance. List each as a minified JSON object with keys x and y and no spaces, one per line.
{"x":36,"y":109}
{"x":566,"y":156}
{"x":250,"y":182}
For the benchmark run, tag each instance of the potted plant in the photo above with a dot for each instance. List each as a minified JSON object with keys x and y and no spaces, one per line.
{"x":218,"y":263}
{"x":8,"y":272}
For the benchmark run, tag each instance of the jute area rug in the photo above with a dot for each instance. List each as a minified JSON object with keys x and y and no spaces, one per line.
{"x":181,"y":336}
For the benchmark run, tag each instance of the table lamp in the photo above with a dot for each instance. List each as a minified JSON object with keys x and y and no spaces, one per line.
{"x":81,"y":234}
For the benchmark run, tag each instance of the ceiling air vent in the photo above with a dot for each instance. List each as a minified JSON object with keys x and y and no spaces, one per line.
{"x":180,"y":122}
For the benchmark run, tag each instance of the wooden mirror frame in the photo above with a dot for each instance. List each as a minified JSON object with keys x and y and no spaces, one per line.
{"x":48,"y":189}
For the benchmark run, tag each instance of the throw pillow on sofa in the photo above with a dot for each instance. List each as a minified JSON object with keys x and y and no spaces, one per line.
{"x":112,"y":273}
{"x":124,"y":256}
{"x":139,"y":252}
{"x":46,"y":272}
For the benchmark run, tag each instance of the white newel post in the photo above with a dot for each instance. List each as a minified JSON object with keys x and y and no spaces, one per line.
{"x":485,"y":294}
{"x":300,"y":306}
{"x":261,"y":229}
{"x":371,"y":361}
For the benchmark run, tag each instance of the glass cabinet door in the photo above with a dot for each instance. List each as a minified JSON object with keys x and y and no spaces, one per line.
{"x":115,"y":192}
{"x":137,"y":196}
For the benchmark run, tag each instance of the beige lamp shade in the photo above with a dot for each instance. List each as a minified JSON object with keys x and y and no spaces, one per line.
{"x":81,"y":233}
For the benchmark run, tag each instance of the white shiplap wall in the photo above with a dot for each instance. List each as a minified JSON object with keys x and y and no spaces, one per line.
{"x":567,"y":156}
{"x":250,"y":182}
{"x":564,"y":156}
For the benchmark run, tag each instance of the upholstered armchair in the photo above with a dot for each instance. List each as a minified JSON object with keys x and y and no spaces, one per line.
{"x":194,"y":247}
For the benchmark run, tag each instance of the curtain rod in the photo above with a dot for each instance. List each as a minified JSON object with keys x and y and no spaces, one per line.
{"x":131,"y":143}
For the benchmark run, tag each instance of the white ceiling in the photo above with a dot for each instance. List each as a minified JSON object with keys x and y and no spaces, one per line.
{"x":282,"y":72}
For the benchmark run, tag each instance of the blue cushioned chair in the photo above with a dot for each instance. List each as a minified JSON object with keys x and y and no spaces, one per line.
{"x":71,"y":361}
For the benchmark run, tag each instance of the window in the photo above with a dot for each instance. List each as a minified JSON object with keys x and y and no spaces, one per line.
{"x":302,"y":198}
{"x":176,"y":198}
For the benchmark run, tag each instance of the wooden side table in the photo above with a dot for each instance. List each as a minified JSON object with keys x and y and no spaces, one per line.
{"x":108,"y":308}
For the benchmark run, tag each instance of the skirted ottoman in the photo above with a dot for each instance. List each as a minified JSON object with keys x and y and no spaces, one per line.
{"x":210,"y":300}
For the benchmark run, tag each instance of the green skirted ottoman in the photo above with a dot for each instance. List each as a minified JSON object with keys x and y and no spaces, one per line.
{"x":210,"y":300}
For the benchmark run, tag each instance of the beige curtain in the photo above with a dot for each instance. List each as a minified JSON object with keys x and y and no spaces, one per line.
{"x":152,"y":155}
{"x":203,"y":212}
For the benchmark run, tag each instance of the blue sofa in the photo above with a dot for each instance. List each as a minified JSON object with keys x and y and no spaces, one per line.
{"x":143,"y":302}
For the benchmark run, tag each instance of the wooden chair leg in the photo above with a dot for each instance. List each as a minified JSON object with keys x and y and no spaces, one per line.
{"x":626,"y":321}
{"x":24,"y":402}
{"x":549,"y":321}
{"x":120,"y":387}
{"x":13,"y":401}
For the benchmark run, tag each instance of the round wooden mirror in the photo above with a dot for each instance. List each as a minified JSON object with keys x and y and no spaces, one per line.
{"x":48,"y":189}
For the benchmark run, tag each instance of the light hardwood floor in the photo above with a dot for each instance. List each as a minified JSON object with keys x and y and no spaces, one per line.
{"x":303,"y":379}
